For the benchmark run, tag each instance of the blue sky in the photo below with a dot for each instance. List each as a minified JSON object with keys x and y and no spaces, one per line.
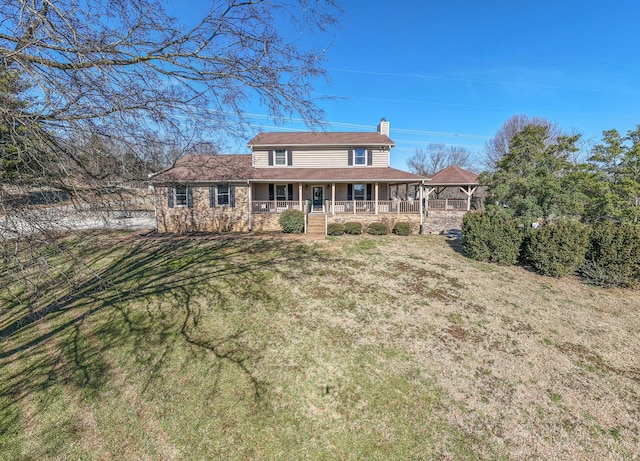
{"x":454,"y":71}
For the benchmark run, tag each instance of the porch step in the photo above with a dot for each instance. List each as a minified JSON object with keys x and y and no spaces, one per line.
{"x":315,"y":225}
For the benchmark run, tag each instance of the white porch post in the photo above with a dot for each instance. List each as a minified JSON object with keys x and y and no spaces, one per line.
{"x":250,"y":200}
{"x":333,"y":198}
{"x":375,"y":193}
{"x":300,"y":195}
{"x":420,"y":207}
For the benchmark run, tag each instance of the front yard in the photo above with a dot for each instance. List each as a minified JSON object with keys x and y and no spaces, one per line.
{"x":355,"y":348}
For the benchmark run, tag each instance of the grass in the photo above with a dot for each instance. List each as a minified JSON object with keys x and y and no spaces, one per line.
{"x":134,"y":347}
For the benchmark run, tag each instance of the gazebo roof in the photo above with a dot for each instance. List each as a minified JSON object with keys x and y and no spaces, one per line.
{"x":453,"y":176}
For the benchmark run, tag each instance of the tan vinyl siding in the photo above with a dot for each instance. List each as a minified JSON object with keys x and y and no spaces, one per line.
{"x":322,"y":158}
{"x":260,"y":158}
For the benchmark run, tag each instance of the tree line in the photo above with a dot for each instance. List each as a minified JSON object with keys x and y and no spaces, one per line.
{"x":539,"y":176}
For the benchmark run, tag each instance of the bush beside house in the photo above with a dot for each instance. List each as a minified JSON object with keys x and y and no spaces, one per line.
{"x":378,"y":228}
{"x":402,"y":228}
{"x":292,"y":221}
{"x":353,"y":228}
{"x":335,"y":229}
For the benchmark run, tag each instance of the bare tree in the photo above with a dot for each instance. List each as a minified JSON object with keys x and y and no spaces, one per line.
{"x":127,"y":73}
{"x":94,"y":88}
{"x":497,"y":147}
{"x":436,"y":157}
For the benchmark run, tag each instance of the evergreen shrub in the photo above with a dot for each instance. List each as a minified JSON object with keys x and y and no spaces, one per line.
{"x":378,"y":228}
{"x":353,"y":228}
{"x":402,"y":228}
{"x":613,"y":255}
{"x":335,"y":229}
{"x":557,"y":249}
{"x":491,"y":238}
{"x":292,"y":221}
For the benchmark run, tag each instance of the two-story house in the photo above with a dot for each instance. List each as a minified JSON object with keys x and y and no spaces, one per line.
{"x":341,"y":176}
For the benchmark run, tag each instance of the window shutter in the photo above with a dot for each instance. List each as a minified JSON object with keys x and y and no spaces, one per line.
{"x":289,"y":157}
{"x":212,"y":196}
{"x":232,"y":196}
{"x":369,"y":157}
{"x":170,"y":196}
{"x":272,"y":193}
{"x":350,"y":161}
{"x":290,"y":191}
{"x":189,"y":197}
{"x":270,"y":158}
{"x":349,"y":191}
{"x":368,"y":191}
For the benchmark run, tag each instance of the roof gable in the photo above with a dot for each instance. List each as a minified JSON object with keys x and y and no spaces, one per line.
{"x":453,"y":175}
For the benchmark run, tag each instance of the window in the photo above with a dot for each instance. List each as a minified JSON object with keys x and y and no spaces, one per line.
{"x":359,"y":192}
{"x":360,"y":157}
{"x":281,"y":192}
{"x":281,"y":157}
{"x":181,"y":196}
{"x":223,"y":194}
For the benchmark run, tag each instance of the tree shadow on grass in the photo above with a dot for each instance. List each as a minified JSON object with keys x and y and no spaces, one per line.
{"x":124,"y":285}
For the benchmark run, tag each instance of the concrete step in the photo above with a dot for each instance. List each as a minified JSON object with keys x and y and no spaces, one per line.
{"x":315,"y":225}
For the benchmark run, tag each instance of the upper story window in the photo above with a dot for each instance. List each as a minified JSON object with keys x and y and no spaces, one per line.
{"x":280,"y":157}
{"x":360,"y":157}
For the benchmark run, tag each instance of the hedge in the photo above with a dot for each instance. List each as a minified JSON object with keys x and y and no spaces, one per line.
{"x":613,"y":256}
{"x":557,"y":249}
{"x":491,"y":237}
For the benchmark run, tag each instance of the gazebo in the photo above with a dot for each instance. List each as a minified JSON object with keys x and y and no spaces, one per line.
{"x":451,"y":177}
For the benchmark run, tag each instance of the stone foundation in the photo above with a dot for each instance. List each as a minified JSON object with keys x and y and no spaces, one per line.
{"x":437,"y":222}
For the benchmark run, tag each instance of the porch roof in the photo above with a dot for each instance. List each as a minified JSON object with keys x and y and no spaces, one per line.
{"x":350,"y":174}
{"x":238,"y":167}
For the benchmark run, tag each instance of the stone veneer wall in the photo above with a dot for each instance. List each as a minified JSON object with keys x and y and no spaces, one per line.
{"x":202,"y":217}
{"x":437,"y":222}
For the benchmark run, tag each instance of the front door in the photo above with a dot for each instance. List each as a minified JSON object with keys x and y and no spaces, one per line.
{"x":318,"y":197}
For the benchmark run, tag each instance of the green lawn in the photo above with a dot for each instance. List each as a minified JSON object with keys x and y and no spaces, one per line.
{"x":265,"y":348}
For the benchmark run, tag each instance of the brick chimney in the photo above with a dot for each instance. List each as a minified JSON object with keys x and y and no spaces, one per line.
{"x":383,"y":127}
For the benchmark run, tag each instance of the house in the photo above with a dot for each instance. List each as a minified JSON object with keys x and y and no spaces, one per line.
{"x":331,"y":176}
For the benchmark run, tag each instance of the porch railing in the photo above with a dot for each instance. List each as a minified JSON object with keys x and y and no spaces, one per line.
{"x":369,"y":207}
{"x":275,"y":206}
{"x":361,"y":206}
{"x":447,"y":204}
